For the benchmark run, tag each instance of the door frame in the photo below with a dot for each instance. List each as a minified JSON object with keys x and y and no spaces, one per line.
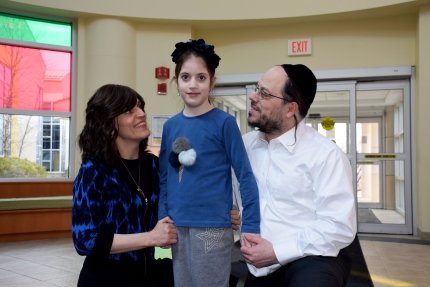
{"x":405,"y":155}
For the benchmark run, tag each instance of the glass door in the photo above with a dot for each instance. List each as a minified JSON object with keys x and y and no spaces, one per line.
{"x":233,"y":100}
{"x":370,"y":122}
{"x":384,"y":192}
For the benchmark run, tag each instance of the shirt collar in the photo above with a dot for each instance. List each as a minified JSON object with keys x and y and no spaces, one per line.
{"x":291,"y":138}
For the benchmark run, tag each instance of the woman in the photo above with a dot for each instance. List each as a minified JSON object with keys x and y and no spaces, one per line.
{"x":115,"y":196}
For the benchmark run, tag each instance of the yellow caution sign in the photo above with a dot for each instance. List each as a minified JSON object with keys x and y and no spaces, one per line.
{"x":391,"y":156}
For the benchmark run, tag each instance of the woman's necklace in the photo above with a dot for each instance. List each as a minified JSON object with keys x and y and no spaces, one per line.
{"x":136,"y":183}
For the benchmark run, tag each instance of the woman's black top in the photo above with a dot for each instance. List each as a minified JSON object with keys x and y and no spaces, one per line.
{"x":106,"y":202}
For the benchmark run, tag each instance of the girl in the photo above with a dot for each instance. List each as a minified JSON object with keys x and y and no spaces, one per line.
{"x":199,"y":147}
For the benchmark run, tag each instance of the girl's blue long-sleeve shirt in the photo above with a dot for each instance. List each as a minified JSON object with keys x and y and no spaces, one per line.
{"x":203,"y":196}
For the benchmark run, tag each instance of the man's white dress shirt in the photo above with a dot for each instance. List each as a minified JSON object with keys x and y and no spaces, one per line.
{"x":307,"y":203}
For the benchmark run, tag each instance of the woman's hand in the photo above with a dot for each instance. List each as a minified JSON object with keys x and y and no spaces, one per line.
{"x":164,"y":233}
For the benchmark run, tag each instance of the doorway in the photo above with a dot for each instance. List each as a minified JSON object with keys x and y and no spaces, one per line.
{"x":372,"y":126}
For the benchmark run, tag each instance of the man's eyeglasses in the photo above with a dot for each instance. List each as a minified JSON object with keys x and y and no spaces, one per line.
{"x":266,"y":95}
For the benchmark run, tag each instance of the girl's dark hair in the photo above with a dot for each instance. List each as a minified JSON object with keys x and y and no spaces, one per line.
{"x":97,"y":139}
{"x":183,"y":50}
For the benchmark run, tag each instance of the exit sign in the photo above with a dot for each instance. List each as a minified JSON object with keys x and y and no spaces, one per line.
{"x":299,"y":47}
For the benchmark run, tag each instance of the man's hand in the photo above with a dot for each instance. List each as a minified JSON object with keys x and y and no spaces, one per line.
{"x":235,"y":218}
{"x":258,"y":251}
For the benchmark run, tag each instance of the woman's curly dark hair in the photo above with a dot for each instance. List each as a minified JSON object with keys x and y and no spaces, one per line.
{"x":97,"y":139}
{"x":183,"y":50}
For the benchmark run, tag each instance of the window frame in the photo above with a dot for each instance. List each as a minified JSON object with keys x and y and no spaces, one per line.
{"x":73,"y":99}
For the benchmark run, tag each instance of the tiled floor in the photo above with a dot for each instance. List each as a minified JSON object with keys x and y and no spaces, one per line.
{"x":397,"y":261}
{"x":55,"y":263}
{"x":39,"y":263}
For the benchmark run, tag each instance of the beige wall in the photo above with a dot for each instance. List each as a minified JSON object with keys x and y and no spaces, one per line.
{"x":212,"y":10}
{"x":155,"y":43}
{"x":367,"y":42}
{"x":422,"y":119}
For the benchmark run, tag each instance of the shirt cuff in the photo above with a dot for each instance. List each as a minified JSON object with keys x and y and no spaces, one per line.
{"x":286,"y":251}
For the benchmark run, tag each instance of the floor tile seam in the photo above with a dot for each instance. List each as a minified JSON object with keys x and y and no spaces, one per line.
{"x":39,"y":279}
{"x":395,"y":240}
{"x":53,"y":267}
{"x":22,"y":275}
{"x":38,"y":263}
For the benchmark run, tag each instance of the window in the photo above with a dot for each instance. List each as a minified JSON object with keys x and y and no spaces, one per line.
{"x":35,"y":97}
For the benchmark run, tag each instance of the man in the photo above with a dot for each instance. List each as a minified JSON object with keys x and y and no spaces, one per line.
{"x":307,"y":204}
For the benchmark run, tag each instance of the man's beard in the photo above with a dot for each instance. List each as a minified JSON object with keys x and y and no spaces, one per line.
{"x":266,"y":125}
